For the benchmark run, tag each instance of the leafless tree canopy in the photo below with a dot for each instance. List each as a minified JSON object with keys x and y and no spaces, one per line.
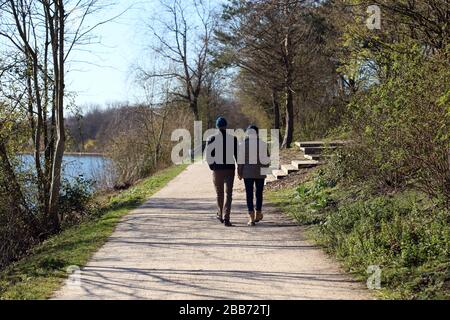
{"x":182,"y":41}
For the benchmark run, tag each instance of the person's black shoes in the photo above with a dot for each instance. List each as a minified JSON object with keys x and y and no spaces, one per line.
{"x":227,"y":223}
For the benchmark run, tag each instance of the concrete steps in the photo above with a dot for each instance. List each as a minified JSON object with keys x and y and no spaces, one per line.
{"x":315,"y":152}
{"x":318,"y":150}
{"x":320,"y":144}
{"x":314,"y":157}
{"x":305,"y":164}
{"x":279,"y":174}
{"x":289,"y":168}
{"x":270,"y":178}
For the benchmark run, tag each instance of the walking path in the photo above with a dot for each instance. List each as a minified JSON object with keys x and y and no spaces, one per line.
{"x":173,"y":248}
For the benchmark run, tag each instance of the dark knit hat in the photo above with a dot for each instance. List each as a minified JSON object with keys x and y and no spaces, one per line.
{"x":221,"y":123}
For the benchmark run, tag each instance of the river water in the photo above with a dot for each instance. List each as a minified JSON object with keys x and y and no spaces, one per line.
{"x":88,"y":167}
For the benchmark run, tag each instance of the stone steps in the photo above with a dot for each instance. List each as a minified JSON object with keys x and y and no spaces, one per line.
{"x":279,"y":174}
{"x":315,"y":152}
{"x":270,"y":178}
{"x":319,"y":144}
{"x":315,"y":157}
{"x":289,"y":168}
{"x":305,"y":164}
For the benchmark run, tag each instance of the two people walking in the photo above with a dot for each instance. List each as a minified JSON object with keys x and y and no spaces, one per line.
{"x":252,"y":157}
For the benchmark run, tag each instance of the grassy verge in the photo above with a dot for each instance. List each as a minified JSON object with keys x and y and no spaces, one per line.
{"x":43,"y":271}
{"x":402,"y":233}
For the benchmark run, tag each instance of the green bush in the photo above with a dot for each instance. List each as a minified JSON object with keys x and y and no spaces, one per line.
{"x":401,"y":239}
{"x":310,"y":201}
{"x":380,"y":228}
{"x":316,"y":194}
{"x":400,"y":127}
{"x":76,"y":200}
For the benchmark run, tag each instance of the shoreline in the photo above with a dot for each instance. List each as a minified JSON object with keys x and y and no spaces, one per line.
{"x":83,"y":154}
{"x":79,"y":154}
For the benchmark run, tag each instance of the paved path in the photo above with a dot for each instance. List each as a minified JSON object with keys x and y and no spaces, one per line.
{"x":173,"y":248}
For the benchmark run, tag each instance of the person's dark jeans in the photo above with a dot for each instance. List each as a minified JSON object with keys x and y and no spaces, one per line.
{"x":250,"y":185}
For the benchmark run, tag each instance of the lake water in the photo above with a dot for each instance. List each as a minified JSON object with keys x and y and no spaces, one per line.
{"x":89,"y":167}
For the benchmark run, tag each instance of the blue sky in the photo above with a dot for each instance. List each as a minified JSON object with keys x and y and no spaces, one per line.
{"x":101,"y":73}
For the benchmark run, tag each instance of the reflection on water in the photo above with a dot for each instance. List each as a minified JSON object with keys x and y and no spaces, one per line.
{"x":89,"y":167}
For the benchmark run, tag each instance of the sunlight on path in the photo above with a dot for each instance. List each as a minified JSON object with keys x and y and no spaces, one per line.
{"x":174,"y":248}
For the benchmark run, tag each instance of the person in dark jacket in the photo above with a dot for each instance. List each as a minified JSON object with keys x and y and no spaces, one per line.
{"x":221,"y":151}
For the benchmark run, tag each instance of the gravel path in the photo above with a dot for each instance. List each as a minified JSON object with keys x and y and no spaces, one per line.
{"x":173,"y":248}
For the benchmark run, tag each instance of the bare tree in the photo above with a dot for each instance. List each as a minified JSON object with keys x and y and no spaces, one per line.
{"x":183,"y":42}
{"x":38,"y":36}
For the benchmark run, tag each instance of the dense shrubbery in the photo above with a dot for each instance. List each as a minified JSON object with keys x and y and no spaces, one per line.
{"x":18,"y":225}
{"x":384,"y":199}
{"x":76,"y":201}
{"x":21,"y":229}
{"x":314,"y":197}
{"x":386,"y":232}
{"x":400,"y":129}
{"x":16,"y":235}
{"x":141,"y":144}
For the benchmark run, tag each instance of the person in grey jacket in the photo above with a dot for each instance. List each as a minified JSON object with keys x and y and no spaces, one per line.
{"x":253,"y":158}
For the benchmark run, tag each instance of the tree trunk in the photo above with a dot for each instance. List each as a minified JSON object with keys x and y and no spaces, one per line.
{"x":276,"y":112}
{"x":289,"y":134}
{"x":58,"y":54}
{"x":194,"y":109}
{"x":14,"y":189}
{"x":288,"y":65}
{"x":160,"y":138}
